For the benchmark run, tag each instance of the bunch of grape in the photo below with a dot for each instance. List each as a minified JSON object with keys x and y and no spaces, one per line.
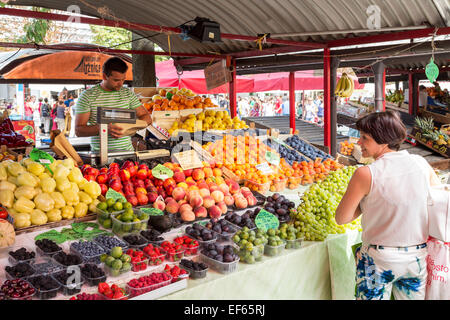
{"x":315,"y":216}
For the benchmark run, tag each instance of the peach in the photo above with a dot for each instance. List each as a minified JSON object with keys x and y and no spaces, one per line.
{"x":189,"y":179}
{"x":181,"y":202}
{"x":196,"y":201}
{"x":217,"y":196}
{"x":209,"y":181}
{"x":223,"y":207}
{"x":214,"y":212}
{"x":234,"y":186}
{"x":178,"y":193}
{"x":217,"y":172}
{"x":183,"y":185}
{"x":166,"y":200}
{"x":198,"y":174}
{"x":224,"y":188}
{"x":172,"y":207}
{"x":220,"y":180}
{"x":193,"y":193}
{"x":237,"y":195}
{"x":213,"y":187}
{"x":241,"y":203}
{"x":229,"y":200}
{"x":188,"y":216}
{"x":208,"y":172}
{"x":200,"y":212}
{"x":204,"y":192}
{"x":152,"y":196}
{"x":202,"y":185}
{"x":251,"y":200}
{"x":208,"y":202}
{"x":159,"y":204}
{"x":179,"y":176}
{"x":185,"y":207}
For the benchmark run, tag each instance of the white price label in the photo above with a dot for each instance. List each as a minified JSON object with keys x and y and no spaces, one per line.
{"x":264,"y":168}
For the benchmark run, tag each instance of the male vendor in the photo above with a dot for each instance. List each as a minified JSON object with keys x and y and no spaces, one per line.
{"x":109,"y":93}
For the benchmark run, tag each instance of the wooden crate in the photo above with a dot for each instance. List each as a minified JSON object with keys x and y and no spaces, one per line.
{"x":441,"y":164}
{"x":89,"y":217}
{"x":346,"y":160}
{"x":443,"y":150}
{"x":443,"y":119}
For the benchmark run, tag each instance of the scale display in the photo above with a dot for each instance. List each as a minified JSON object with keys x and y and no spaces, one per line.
{"x":108,"y":115}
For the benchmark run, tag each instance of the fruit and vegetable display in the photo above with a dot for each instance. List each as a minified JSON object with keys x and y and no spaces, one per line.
{"x":22,"y":255}
{"x":35,"y":196}
{"x":278,"y":205}
{"x":197,"y":270}
{"x":68,"y":259}
{"x":287,"y":154}
{"x":241,"y":221}
{"x":315,"y":215}
{"x":17,"y":289}
{"x":201,"y":233}
{"x":177,"y":99}
{"x":148,"y":283}
{"x":176,"y":272}
{"x":292,"y":235}
{"x":135,"y":241}
{"x":117,"y":262}
{"x":7,"y":234}
{"x":130,"y":221}
{"x":275,"y":244}
{"x":395,"y":96}
{"x":109,"y":242}
{"x":20,"y":270}
{"x":430,"y":132}
{"x":46,"y":287}
{"x":190,"y":245}
{"x":155,"y":254}
{"x":222,"y":227}
{"x":344,"y":86}
{"x":9,"y":137}
{"x":251,"y":244}
{"x":70,"y":285}
{"x":220,"y":253}
{"x":305,"y":148}
{"x":139,"y":261}
{"x":113,"y":292}
{"x":207,"y":120}
{"x":47,"y":247}
{"x":152,"y":235}
{"x":346,"y":148}
{"x":174,"y":251}
{"x":87,"y":296}
{"x":93,"y":274}
{"x":89,"y":251}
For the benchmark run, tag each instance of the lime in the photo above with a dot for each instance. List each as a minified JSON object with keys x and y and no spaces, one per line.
{"x":127,"y":205}
{"x":118,"y":206}
{"x":110,"y":202}
{"x":102,"y":206}
{"x":107,"y":223}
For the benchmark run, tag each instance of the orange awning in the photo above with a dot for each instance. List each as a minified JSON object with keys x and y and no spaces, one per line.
{"x":71,"y":65}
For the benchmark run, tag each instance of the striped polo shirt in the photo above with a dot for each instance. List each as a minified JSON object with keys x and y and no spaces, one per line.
{"x":95,"y":97}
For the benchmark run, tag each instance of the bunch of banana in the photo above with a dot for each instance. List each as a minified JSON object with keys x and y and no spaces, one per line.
{"x":344,"y":87}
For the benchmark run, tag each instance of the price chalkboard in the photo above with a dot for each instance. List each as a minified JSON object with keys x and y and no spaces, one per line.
{"x":162,"y":172}
{"x":113,"y":194}
{"x":152,"y":211}
{"x":265,"y":220}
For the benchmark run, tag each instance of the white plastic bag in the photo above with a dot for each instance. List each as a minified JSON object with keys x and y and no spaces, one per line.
{"x":438,"y":267}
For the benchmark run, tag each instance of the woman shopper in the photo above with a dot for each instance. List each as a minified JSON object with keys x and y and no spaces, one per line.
{"x":61,"y":115}
{"x":391,"y":196}
{"x":45,"y":116}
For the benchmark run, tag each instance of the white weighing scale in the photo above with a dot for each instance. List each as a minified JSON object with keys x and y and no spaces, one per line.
{"x":106,"y":116}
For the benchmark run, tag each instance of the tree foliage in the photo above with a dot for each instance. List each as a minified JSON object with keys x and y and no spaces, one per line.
{"x":36,"y":29}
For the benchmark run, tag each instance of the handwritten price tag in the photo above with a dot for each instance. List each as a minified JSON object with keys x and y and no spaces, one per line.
{"x":264,"y":168}
{"x":42,"y":157}
{"x":113,"y":194}
{"x":272,"y":158}
{"x":152,"y":211}
{"x":265,"y":220}
{"x":161,"y":172}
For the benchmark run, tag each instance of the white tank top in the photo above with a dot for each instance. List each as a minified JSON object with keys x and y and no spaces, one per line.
{"x":394,"y":213}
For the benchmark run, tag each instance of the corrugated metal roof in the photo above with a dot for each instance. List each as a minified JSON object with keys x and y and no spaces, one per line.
{"x":252,"y":17}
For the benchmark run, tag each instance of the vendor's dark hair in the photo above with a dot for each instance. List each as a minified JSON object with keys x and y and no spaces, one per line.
{"x":114,"y":64}
{"x":384,"y":127}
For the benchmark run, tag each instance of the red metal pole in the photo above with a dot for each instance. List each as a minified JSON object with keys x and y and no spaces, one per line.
{"x":232,"y":90}
{"x":106,"y":50}
{"x":326,"y":98}
{"x":292,"y":101}
{"x":141,"y":26}
{"x":410,"y":93}
{"x":384,"y":89}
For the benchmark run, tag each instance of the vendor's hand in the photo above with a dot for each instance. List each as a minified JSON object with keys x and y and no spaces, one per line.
{"x":115,"y":130}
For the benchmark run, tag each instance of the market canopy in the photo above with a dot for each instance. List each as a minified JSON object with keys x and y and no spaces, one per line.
{"x":35,"y":65}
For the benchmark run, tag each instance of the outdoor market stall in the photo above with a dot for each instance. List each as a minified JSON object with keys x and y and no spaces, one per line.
{"x":186,"y":188}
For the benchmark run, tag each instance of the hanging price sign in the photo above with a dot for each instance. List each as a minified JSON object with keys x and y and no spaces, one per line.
{"x":432,"y":71}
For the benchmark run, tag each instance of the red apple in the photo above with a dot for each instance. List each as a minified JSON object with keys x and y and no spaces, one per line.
{"x":113,"y":165}
{"x":104,"y":170}
{"x":169,"y":189}
{"x":151,"y":189}
{"x":132,"y":170}
{"x":138,"y":183}
{"x":142,"y":198}
{"x":179,"y":177}
{"x":150,"y":174}
{"x":140,"y":190}
{"x":89,"y":177}
{"x":92,"y":171}
{"x":169,"y":182}
{"x":102,"y":178}
{"x":158,"y":182}
{"x":124,"y":175}
{"x":84,"y":167}
{"x":142,"y":174}
{"x":104,"y":188}
{"x":143,"y":166}
{"x":133,"y":200}
{"x":148,"y":183}
{"x":115,"y":184}
{"x":152,"y":196}
{"x":188,"y":172}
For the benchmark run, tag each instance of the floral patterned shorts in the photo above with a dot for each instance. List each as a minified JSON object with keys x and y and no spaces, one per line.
{"x":381,"y":271}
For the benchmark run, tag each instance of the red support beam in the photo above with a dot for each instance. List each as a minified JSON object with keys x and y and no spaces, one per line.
{"x":384,"y":89}
{"x":393,"y":36}
{"x":410,"y":93}
{"x":232,"y":86}
{"x":106,"y":50}
{"x":326,"y":98}
{"x":292,"y":101}
{"x":146,"y":27}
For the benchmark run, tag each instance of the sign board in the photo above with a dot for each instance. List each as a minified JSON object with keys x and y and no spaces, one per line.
{"x":113,"y":194}
{"x":265,"y":220}
{"x":264,"y":168}
{"x":25,"y":128}
{"x":188,"y":159}
{"x":161,"y":172}
{"x":152,"y":211}
{"x":217,"y":74}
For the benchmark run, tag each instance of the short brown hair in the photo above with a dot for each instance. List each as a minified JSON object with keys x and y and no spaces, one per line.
{"x":114,"y":64}
{"x":384,"y":127}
